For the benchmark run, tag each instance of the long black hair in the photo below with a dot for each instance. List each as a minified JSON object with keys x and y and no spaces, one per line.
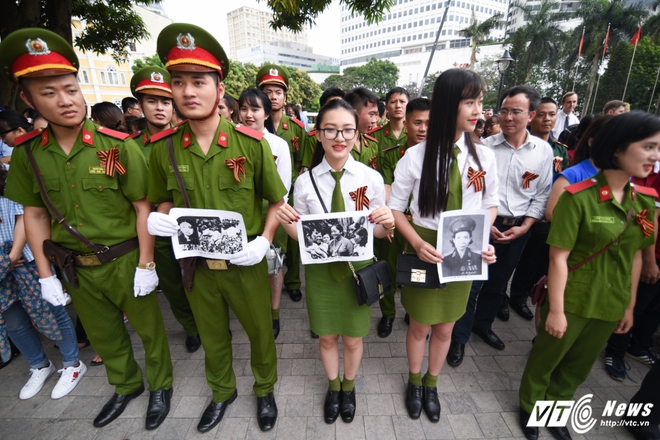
{"x":451,"y":87}
{"x":583,"y":147}
{"x":13,"y":120}
{"x":334,"y":104}
{"x":257,"y":98}
{"x":108,"y":115}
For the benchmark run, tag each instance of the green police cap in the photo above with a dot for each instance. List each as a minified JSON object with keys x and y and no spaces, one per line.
{"x":273,"y":74}
{"x":151,"y":80}
{"x":462,"y":224}
{"x":34,"y":52}
{"x":186,"y":47}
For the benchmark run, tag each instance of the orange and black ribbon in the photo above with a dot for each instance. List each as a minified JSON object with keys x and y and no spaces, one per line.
{"x":110,"y":160}
{"x":374,"y":162}
{"x":360,"y":197}
{"x":528,"y":177}
{"x":237,"y":166}
{"x":557,"y":162}
{"x":643,"y":221}
{"x":295,"y":144}
{"x":477,"y":178}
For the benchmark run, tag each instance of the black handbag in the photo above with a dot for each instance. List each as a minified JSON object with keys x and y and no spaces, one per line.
{"x":413,"y":272}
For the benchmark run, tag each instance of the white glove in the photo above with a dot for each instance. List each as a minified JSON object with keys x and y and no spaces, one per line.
{"x":145,"y":281}
{"x":161,"y":224}
{"x":51,"y":291}
{"x":254,"y":252}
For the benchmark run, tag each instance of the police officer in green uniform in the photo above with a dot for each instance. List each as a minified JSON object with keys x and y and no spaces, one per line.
{"x":274,"y":81}
{"x":96,"y":179}
{"x":584,"y":306}
{"x":228,"y":168}
{"x":365,"y":103}
{"x":151,"y":86}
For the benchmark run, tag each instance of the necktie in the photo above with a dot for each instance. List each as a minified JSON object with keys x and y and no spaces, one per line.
{"x":455,"y":190}
{"x":338,"y":270}
{"x":566,"y":122}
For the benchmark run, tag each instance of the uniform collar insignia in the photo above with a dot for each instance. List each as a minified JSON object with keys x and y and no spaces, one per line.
{"x":44,"y":138}
{"x":604,"y":193}
{"x":185,"y":41}
{"x":87,"y":137}
{"x":37,"y":47}
{"x":186,"y":140}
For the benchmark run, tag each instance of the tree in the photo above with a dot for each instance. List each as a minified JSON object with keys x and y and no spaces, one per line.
{"x":241,"y":76}
{"x":516,"y":72}
{"x":379,"y":76}
{"x":153,"y":60}
{"x":303,"y":90}
{"x":296,"y":15}
{"x":427,"y":87}
{"x":478,"y":33}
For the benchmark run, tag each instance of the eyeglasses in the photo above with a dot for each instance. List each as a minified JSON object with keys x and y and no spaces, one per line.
{"x":515,"y":113}
{"x":332,"y":133}
{"x":6,"y":132}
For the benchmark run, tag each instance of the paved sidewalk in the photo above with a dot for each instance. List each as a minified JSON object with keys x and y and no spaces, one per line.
{"x":479,"y":398}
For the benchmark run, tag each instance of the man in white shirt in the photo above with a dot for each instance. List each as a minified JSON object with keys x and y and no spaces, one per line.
{"x":524,"y":168}
{"x":566,"y":117}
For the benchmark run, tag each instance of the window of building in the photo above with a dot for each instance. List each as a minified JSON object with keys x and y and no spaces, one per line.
{"x":405,"y":13}
{"x":408,"y":37}
{"x":102,"y":73}
{"x":416,"y":10}
{"x":415,"y":24}
{"x":123,"y":79}
{"x":85,"y":76}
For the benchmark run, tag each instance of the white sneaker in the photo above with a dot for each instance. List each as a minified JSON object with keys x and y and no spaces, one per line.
{"x":70,"y":378}
{"x":36,"y":382}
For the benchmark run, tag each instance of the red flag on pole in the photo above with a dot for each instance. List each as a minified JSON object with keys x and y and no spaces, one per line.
{"x":581,"y":44}
{"x":637,"y":36}
{"x":607,"y":39}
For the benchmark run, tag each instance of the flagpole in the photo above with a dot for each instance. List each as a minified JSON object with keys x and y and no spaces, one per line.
{"x":636,"y":37}
{"x":578,"y":59}
{"x":648,"y":110}
{"x":607,"y":38}
{"x":593,"y":103}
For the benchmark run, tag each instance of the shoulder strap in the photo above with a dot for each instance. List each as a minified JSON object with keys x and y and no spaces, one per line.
{"x":60,"y":218}
{"x":177,"y":173}
{"x":318,"y":194}
{"x":600,"y":252}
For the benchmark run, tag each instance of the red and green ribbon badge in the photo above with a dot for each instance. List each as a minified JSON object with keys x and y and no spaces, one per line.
{"x":374,"y":162}
{"x":528,"y":177}
{"x":237,"y":166}
{"x":643,"y":221}
{"x":557,"y":162}
{"x":360,"y":197}
{"x":110,"y":160}
{"x":476,"y":178}
{"x":295,"y":144}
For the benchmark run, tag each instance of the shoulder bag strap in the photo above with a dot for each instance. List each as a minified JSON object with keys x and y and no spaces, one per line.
{"x":177,"y":173}
{"x":60,"y":218}
{"x":316,"y":188}
{"x":600,"y":252}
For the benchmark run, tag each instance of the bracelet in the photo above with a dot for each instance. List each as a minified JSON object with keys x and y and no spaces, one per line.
{"x":390,"y":229}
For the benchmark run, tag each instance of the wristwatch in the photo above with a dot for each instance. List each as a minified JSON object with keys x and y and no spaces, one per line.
{"x":150,"y":265}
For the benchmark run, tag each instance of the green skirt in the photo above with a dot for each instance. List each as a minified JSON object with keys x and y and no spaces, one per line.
{"x":433,"y":306}
{"x":332,"y":306}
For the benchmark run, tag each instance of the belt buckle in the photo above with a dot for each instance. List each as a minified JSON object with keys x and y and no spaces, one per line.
{"x":509,"y":221}
{"x":88,"y":260}
{"x":217,"y":264}
{"x":417,"y":276}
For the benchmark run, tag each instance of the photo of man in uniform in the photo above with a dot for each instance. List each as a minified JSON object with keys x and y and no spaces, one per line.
{"x":462,"y":261}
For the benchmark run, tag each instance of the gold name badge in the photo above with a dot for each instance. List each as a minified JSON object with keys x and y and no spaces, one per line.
{"x":182,"y":169}
{"x":600,"y":219}
{"x":96,"y":170}
{"x":417,"y":276}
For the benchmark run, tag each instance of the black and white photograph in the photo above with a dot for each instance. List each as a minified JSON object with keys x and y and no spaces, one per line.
{"x":462,"y":236}
{"x":208,"y":233}
{"x":337,"y":236}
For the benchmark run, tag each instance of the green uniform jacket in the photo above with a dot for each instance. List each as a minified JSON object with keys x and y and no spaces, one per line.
{"x":293,"y":132}
{"x":209,"y":181}
{"x":98,"y":205}
{"x":369,"y":153}
{"x":386,"y":140}
{"x":584,"y":221}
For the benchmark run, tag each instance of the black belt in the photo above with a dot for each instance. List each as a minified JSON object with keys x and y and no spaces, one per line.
{"x":510,"y":221}
{"x":110,"y":253}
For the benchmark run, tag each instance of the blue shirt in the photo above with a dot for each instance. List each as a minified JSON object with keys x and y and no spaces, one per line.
{"x":8,"y":212}
{"x":578,"y":172}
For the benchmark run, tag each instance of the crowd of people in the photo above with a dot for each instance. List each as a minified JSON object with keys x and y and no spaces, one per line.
{"x":85,"y":219}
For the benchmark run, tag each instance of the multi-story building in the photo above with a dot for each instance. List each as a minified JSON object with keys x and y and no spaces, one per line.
{"x":287,"y":54}
{"x":250,"y":27}
{"x":516,"y":16}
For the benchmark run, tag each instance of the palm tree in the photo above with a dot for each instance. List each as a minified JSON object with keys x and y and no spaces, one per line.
{"x":541,"y":32}
{"x":479,"y":32}
{"x":596,"y":15}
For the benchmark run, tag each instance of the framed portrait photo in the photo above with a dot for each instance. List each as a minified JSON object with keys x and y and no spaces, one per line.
{"x":462,"y":236}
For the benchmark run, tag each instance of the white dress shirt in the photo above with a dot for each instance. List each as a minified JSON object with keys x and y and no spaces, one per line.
{"x":355,"y":176}
{"x":534,"y":155}
{"x":561,"y":121}
{"x":280,"y":149}
{"x":408,"y":173}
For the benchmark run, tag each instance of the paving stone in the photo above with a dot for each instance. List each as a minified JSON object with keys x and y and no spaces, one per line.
{"x":318,"y":429}
{"x":405,"y":427}
{"x":380,"y":405}
{"x":492,"y":425}
{"x":440,"y":430}
{"x":379,"y":427}
{"x":350,"y":431}
{"x":464,"y":426}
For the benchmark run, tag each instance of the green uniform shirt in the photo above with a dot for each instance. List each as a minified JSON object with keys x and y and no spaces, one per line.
{"x":98,"y":205}
{"x":295,"y":136}
{"x":386,"y":140}
{"x":210,"y":183}
{"x":308,"y":149}
{"x":369,"y":153}
{"x":388,"y":159}
{"x":584,"y":223}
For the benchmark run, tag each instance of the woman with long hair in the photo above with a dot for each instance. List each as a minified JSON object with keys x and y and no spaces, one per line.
{"x":436,"y":173}
{"x":331,"y":303}
{"x":108,"y":115}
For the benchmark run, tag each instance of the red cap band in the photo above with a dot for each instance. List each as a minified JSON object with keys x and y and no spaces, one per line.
{"x":28,"y":64}
{"x":197,"y":56}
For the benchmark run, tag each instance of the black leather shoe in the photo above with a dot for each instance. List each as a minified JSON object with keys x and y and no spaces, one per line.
{"x":266,"y":412}
{"x":522,"y":310}
{"x":531,"y":432}
{"x":347,"y":405}
{"x":159,"y":407}
{"x":295,"y":295}
{"x":385,"y":326}
{"x":115,"y":407}
{"x":276,"y":328}
{"x":560,"y":432}
{"x":414,"y":396}
{"x":431,"y":404}
{"x":314,"y":335}
{"x":213,"y":414}
{"x":331,"y":407}
{"x":489,"y":338}
{"x":193,"y":343}
{"x":455,"y":354}
{"x":503,"y":313}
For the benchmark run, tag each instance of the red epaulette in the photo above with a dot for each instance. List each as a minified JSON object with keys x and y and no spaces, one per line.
{"x":375,"y":129}
{"x":647,"y":191}
{"x":181,"y":122}
{"x":113,"y":133}
{"x":163,"y":134}
{"x":371,"y":138}
{"x":298,"y":122}
{"x":577,"y":187}
{"x":311,"y":133}
{"x":258,"y":135}
{"x":135,"y":135}
{"x":27,"y":136}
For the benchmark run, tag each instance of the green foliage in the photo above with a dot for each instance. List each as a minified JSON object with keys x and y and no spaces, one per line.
{"x":427,"y":89}
{"x":153,"y":60}
{"x":379,"y":76}
{"x":516,"y":72}
{"x":479,"y":33}
{"x":242,"y":76}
